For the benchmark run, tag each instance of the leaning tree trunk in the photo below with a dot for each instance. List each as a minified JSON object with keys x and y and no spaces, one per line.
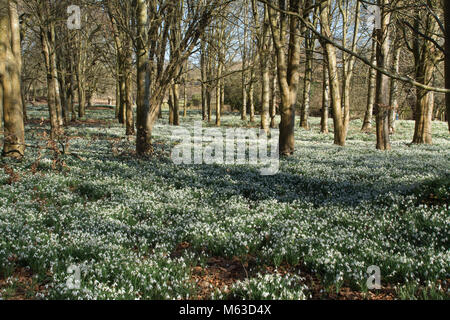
{"x":382,"y":92}
{"x":10,"y":71}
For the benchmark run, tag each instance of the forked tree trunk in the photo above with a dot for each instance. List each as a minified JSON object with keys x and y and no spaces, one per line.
{"x":284,"y":27}
{"x":10,"y":72}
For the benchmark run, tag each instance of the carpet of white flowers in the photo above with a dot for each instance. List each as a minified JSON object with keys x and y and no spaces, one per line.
{"x":334,"y":211}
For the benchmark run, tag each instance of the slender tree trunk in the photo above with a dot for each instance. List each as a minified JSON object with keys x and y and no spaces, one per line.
{"x":51,"y":100}
{"x":304,"y":117}
{"x":393,"y":100}
{"x":426,"y":57}
{"x":447,"y":56}
{"x":382,"y":93}
{"x":349,"y":64}
{"x":340,"y":133}
{"x":144,"y":125}
{"x":367,"y":124}
{"x":244,"y":64}
{"x":176,"y":103}
{"x":204,"y":72}
{"x":251,"y":94}
{"x":129,"y":104}
{"x":325,"y":101}
{"x":273,"y":100}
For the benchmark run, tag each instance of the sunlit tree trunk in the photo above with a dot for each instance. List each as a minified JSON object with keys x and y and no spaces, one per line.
{"x":273,"y":98}
{"x":10,"y":80}
{"x":283,"y":28}
{"x":426,"y":57}
{"x":340,"y":132}
{"x":367,"y":123}
{"x":382,"y":92}
{"x":393,"y":100}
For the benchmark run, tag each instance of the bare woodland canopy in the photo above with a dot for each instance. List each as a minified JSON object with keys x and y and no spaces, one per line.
{"x":259,"y":56}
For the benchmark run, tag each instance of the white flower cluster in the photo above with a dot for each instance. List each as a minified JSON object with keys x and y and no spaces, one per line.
{"x":336,"y":211}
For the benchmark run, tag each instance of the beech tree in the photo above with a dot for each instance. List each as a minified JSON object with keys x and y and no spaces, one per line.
{"x":286,"y":35}
{"x":154,"y":74}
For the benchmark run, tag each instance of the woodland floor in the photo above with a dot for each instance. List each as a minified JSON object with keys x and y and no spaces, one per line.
{"x":146,"y":228}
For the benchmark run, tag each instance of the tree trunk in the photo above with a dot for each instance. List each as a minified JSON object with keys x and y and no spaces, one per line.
{"x":251,"y":95}
{"x":176,"y":103}
{"x":340,"y":132}
{"x":204,"y":72}
{"x":424,"y":107}
{"x":382,"y":92}
{"x":426,"y":57}
{"x":264,"y":46}
{"x":447,"y":57}
{"x":144,"y":125}
{"x":273,"y":99}
{"x":393,"y":100}
{"x":288,"y":69}
{"x":367,"y":124}
{"x":304,"y":117}
{"x":129,"y":103}
{"x":10,"y":73}
{"x":51,"y":99}
{"x":325,"y":101}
